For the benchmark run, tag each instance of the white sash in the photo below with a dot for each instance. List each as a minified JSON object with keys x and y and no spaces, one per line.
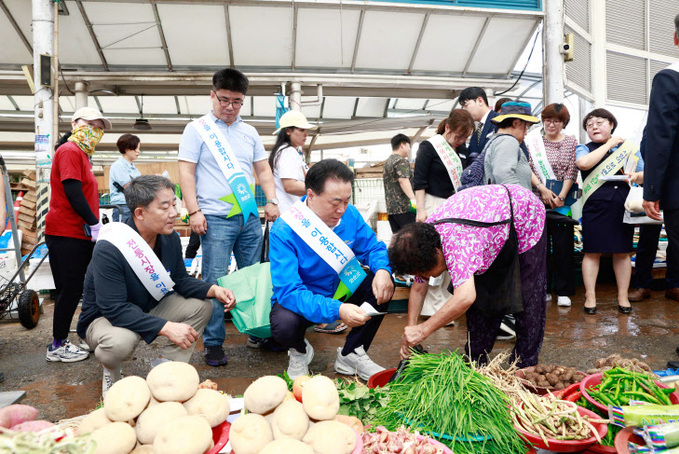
{"x":141,"y":258}
{"x":674,"y":67}
{"x":318,"y":236}
{"x":536,"y":147}
{"x":449,"y":158}
{"x":217,"y":144}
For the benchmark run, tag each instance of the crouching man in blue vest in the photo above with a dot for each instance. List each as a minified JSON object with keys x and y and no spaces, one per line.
{"x":136,"y":286}
{"x":316,"y":251}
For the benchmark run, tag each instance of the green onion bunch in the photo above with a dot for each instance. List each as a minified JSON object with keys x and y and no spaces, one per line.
{"x":440,"y":396}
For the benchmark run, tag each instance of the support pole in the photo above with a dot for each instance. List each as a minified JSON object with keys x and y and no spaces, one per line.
{"x":81,"y":95}
{"x":43,"y":43}
{"x":599,"y":89}
{"x":553,"y":38}
{"x":295,"y":100}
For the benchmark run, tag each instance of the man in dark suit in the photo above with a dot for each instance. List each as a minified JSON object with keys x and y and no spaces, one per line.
{"x":475,"y":101}
{"x":660,"y":148}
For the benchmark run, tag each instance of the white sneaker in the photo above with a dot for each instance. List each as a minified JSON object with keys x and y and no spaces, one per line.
{"x":548,"y":297}
{"x":108,"y":379}
{"x":299,"y":362}
{"x":83,"y":345}
{"x":67,"y":353}
{"x":563,"y":301}
{"x":356,"y":363}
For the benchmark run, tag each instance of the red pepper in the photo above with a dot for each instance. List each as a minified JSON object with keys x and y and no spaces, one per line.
{"x":573,"y":397}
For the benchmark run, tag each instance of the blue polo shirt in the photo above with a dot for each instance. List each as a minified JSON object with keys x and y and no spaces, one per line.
{"x":122,"y":172}
{"x":211,"y":183}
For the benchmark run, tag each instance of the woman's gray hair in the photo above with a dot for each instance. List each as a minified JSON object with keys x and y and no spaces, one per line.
{"x":143,"y":189}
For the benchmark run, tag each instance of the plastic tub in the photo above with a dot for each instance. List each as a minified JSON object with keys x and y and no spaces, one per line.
{"x":220,"y":436}
{"x":381,"y":378}
{"x":567,"y":445}
{"x":593,"y":380}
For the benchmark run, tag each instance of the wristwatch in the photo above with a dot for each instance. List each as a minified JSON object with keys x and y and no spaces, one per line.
{"x":562,"y":199}
{"x":273,"y":201}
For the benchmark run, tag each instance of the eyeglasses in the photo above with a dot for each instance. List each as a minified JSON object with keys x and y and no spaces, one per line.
{"x":236,"y":103}
{"x":552,"y":121}
{"x":598,"y":123}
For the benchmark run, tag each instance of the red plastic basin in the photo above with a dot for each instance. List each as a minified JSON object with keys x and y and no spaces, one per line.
{"x":220,"y":436}
{"x":593,"y":380}
{"x":567,"y":445}
{"x":381,"y":378}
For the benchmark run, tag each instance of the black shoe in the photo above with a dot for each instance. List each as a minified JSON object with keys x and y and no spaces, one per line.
{"x":589,"y":310}
{"x":677,"y":350}
{"x":673,"y":364}
{"x":215,"y":356}
{"x":624,"y":310}
{"x":2,"y":377}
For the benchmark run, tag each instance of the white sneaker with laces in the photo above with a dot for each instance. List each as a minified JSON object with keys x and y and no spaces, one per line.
{"x":298,"y":364}
{"x":356,"y":363}
{"x":83,"y":345}
{"x":67,"y":353}
{"x":563,"y":301}
{"x":548,"y":297}
{"x":108,"y":379}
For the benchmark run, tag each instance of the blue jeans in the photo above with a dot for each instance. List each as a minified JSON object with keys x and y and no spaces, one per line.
{"x":223,"y":236}
{"x":123,"y":215}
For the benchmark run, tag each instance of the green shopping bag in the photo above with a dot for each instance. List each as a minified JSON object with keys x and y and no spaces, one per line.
{"x":253,"y":289}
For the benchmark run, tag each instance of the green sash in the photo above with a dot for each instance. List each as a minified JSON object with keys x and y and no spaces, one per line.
{"x":610,"y":166}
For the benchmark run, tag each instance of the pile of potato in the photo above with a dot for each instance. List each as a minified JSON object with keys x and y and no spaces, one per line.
{"x":617,"y":360}
{"x":276,"y":423}
{"x":553,"y":377}
{"x":164,"y":414}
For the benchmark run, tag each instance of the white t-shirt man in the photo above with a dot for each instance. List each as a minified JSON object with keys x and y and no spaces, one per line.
{"x":288,"y":164}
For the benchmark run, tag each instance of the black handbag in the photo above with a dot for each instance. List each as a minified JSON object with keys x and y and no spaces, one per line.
{"x":498,"y":290}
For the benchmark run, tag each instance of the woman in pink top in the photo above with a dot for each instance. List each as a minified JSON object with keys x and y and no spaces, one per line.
{"x":427,"y":249}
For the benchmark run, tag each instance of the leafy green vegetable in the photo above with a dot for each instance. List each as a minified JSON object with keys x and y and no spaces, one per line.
{"x":288,"y":381}
{"x":356,"y":399}
{"x":440,"y":395}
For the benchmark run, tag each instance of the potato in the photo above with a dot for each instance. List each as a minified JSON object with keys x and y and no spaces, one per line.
{"x":153,"y":419}
{"x":93,"y":421}
{"x":114,"y":438}
{"x":265,"y":394}
{"x":173,"y":381}
{"x":143,"y":449}
{"x":126,"y":399}
{"x":210,"y":404}
{"x":320,"y":398}
{"x":185,"y":435}
{"x":552,"y":379}
{"x":249,"y":434}
{"x":290,"y":421}
{"x":330,"y":437}
{"x":287,"y":446}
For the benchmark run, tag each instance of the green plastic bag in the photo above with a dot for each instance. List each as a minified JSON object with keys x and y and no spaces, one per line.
{"x":253,"y":289}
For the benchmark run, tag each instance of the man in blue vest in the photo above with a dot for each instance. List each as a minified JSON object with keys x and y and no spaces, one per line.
{"x":312,"y":249}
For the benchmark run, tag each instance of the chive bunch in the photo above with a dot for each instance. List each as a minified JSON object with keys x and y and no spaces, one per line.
{"x":440,"y":396}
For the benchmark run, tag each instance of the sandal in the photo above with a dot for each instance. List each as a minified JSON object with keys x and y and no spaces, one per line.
{"x":331,"y":328}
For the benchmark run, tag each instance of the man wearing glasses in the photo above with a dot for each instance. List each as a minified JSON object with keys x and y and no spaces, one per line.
{"x":217,"y":155}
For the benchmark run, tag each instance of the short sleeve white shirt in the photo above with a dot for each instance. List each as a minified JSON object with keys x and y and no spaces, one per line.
{"x":290,"y":165}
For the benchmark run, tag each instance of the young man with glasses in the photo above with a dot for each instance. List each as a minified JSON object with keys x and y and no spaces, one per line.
{"x":475,"y":101}
{"x":217,"y":155}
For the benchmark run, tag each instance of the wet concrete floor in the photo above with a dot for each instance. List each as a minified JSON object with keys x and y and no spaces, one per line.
{"x":572,"y":338}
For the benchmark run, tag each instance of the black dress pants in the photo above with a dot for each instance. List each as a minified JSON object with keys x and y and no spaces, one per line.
{"x":69,"y":258}
{"x":671,"y":218}
{"x":287,"y":327}
{"x":647,"y":247}
{"x":560,"y":257}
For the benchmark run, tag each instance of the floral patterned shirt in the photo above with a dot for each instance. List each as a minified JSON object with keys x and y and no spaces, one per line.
{"x":561,"y":156}
{"x":470,"y":250}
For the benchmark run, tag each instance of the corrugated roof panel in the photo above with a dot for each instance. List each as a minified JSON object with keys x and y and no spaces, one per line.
{"x":6,"y":104}
{"x":265,"y":106}
{"x":184,"y":27}
{"x":261,"y":36}
{"x":626,"y":78}
{"x":75,"y":45}
{"x":371,"y":107}
{"x":319,"y":34}
{"x":12,"y":50}
{"x":500,"y":46}
{"x":442,"y":48}
{"x":118,"y":104}
{"x":626,"y":24}
{"x":25,"y":103}
{"x":312,"y":112}
{"x":67,"y":103}
{"x":410,"y":104}
{"x":661,"y":27}
{"x":388,"y":40}
{"x":440,"y":105}
{"x":339,"y":107}
{"x":200,"y":105}
{"x":159,"y":105}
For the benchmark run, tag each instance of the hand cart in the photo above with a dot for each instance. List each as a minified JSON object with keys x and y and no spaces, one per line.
{"x":14,"y":290}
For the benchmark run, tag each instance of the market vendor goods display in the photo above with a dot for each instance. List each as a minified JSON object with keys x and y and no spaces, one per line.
{"x":549,"y":376}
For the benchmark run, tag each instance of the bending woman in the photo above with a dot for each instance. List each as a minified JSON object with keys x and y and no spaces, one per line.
{"x":429,"y":248}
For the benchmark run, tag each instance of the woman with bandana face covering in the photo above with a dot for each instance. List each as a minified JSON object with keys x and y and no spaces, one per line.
{"x":72,"y":225}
